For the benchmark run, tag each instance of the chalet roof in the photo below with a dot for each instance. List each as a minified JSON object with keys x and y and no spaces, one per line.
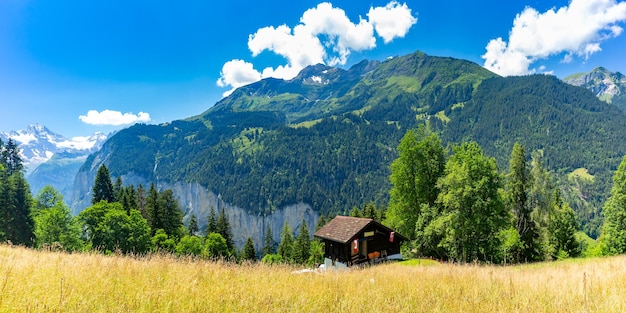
{"x":342,"y":228}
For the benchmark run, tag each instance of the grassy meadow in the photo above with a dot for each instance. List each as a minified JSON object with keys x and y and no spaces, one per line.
{"x":39,"y":281}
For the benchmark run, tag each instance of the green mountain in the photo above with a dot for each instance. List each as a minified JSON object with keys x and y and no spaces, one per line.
{"x":324,"y":140}
{"x":606,"y":85}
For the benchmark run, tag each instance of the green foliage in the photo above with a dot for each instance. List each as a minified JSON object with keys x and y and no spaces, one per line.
{"x":285,"y":248}
{"x":614,"y":227}
{"x":472,"y":205}
{"x":211,"y":226}
{"x":215,"y":246}
{"x":193,"y":225}
{"x":317,"y":253}
{"x":562,"y":228}
{"x":272,"y":259}
{"x":190,"y":245}
{"x":162,"y":243}
{"x":414,"y":176}
{"x":223,"y":228}
{"x":109,"y":228}
{"x":16,"y":223}
{"x":512,"y":245}
{"x":55,"y":227}
{"x":124,"y":233}
{"x":516,"y":195}
{"x":249,"y":253}
{"x":102,"y":187}
{"x":302,"y":245}
{"x":269,"y":246}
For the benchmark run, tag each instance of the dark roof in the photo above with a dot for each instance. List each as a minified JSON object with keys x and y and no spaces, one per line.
{"x":342,"y":228}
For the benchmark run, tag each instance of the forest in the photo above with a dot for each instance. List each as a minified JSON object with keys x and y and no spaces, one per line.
{"x":455,"y":205}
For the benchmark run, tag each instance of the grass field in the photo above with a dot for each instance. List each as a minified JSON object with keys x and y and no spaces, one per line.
{"x":37,"y":281}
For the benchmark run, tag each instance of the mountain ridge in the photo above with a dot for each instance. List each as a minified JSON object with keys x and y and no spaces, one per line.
{"x":277,"y":143}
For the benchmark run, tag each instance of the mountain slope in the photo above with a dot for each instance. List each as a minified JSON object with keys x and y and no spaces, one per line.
{"x":606,"y":85}
{"x":274,"y":144}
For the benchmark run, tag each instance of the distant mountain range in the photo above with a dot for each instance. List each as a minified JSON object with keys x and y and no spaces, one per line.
{"x":52,"y":159}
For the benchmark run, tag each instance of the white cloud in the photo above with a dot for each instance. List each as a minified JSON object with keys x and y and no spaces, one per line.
{"x":324,"y":35}
{"x":115,"y":118}
{"x":576,"y":29}
{"x":236,"y":73}
{"x":391,"y":21}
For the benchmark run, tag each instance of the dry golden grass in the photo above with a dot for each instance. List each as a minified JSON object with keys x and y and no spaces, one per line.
{"x":36,"y":281}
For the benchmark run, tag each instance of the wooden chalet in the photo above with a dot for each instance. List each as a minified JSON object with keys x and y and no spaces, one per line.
{"x":353,"y":240}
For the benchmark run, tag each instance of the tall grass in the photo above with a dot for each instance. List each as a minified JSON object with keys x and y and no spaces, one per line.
{"x":37,"y":281}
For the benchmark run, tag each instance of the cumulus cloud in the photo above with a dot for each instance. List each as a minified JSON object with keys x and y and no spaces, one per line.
{"x":576,"y":30}
{"x":324,"y":35}
{"x":115,"y":118}
{"x":391,"y":21}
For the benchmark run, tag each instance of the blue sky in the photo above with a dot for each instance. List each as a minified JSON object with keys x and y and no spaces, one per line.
{"x":85,"y":66}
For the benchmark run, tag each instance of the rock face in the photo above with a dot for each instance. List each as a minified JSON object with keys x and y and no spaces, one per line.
{"x":195,"y":199}
{"x":606,"y":85}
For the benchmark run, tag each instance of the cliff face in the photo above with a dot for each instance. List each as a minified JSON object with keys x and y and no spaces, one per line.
{"x":197,"y":200}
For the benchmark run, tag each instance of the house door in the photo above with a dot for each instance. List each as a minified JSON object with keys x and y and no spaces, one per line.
{"x":363,"y":247}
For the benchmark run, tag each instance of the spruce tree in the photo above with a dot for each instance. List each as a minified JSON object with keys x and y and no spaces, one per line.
{"x":170,"y":218}
{"x":268,"y":241}
{"x":211,"y":226}
{"x":302,"y":246}
{"x":285,"y":248}
{"x":614,"y":228}
{"x":102,"y":187}
{"x":248,"y":250}
{"x":223,"y":228}
{"x":118,"y":189}
{"x":517,"y":185}
{"x":562,"y":229}
{"x":193,"y":225}
{"x":152,"y":209}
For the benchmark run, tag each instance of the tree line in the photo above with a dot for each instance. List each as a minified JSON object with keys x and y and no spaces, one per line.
{"x":457,"y":206}
{"x":128,"y":220}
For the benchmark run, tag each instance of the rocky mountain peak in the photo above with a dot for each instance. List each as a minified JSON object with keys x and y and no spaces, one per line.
{"x":605,"y":84}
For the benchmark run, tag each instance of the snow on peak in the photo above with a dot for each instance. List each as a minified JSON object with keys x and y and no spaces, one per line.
{"x":38,"y":144}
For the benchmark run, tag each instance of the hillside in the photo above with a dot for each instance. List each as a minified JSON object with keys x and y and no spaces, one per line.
{"x":606,"y":85}
{"x":323,"y":141}
{"x":39,"y":281}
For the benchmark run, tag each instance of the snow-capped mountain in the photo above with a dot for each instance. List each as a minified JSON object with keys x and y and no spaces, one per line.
{"x":38,"y":144}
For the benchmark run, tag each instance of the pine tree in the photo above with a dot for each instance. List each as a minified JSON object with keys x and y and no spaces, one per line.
{"x":302,"y":246}
{"x":562,"y":228}
{"x":517,"y":185}
{"x":614,"y":228}
{"x":118,"y":189}
{"x":285,"y":248}
{"x":320,"y":222}
{"x":268,"y":241}
{"x":211,"y":225}
{"x":193,"y":225}
{"x":142,"y":202}
{"x":102,"y":187}
{"x":170,"y":217}
{"x":248,"y":250}
{"x":223,"y":228}
{"x":152,"y":209}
